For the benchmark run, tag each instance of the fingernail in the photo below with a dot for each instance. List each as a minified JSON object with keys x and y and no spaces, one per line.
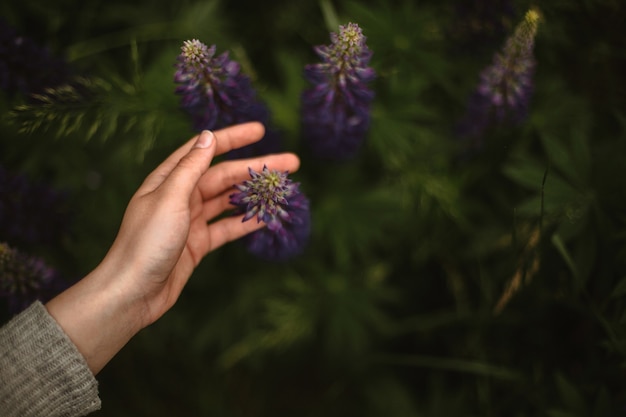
{"x":204,"y":140}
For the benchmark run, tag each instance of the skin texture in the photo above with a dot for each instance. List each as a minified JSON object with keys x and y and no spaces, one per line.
{"x":166,"y":231}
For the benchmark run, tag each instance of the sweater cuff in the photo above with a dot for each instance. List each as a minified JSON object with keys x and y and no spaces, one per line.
{"x":41,"y":370}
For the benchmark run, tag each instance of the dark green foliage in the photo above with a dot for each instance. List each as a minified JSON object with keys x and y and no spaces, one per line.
{"x":437,"y":283}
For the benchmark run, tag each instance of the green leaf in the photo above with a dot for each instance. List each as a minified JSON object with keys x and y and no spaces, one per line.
{"x":570,"y":395}
{"x":581,"y":153}
{"x":330,"y":15}
{"x":620,"y":289}
{"x":449,"y":364}
{"x":526,"y":172}
{"x":562,"y":159}
{"x":562,"y":249}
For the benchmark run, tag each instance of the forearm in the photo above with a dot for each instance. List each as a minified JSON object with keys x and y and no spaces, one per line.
{"x":98,"y":315}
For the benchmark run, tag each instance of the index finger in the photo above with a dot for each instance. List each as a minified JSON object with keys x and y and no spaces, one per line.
{"x":229,"y":138}
{"x":225,"y":175}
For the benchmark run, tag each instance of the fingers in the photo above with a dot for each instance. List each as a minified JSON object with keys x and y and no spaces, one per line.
{"x":216,"y":206}
{"x":238,"y":136}
{"x":226,"y":174}
{"x":184,"y":177}
{"x":224,"y":231}
{"x":227,"y":139}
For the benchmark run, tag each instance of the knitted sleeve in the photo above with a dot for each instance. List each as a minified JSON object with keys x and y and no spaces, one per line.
{"x":41,"y":371}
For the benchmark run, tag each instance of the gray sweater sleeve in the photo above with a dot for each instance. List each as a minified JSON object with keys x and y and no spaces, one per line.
{"x":41,"y":371}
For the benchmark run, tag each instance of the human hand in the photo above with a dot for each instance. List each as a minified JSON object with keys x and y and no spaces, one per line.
{"x":165,"y":233}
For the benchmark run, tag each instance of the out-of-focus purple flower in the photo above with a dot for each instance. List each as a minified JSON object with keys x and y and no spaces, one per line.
{"x":212,"y":88}
{"x":25,"y":66}
{"x":216,"y":94}
{"x":506,"y":85}
{"x":25,"y":278}
{"x":31,"y":213}
{"x":273,"y":198}
{"x":336,"y":109}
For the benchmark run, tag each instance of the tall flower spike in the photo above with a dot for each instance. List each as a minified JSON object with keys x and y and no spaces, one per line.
{"x":273,"y":198}
{"x":506,"y":85}
{"x":216,"y":94}
{"x":25,"y":278}
{"x":336,"y":109}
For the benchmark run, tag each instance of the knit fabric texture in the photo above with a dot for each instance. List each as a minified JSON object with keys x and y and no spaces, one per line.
{"x":42,"y":373}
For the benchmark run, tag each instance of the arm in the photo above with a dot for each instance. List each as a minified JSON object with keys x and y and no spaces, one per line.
{"x":165,"y":233}
{"x":41,"y":372}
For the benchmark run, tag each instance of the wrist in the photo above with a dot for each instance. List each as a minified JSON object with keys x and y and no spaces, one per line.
{"x":98,"y":315}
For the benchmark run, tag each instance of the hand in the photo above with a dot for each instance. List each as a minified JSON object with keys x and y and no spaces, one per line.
{"x":165,"y":233}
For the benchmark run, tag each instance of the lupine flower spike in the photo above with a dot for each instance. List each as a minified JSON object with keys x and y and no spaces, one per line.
{"x":216,"y":94}
{"x":506,"y":85}
{"x":273,"y":198}
{"x":25,"y":278}
{"x":336,"y":109}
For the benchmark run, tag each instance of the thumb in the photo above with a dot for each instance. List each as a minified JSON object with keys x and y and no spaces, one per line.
{"x":186,"y":174}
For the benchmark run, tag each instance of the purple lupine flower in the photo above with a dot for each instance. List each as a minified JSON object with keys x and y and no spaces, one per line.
{"x":25,"y":278}
{"x":336,"y":109}
{"x":216,"y":94}
{"x":505,"y":86}
{"x":25,"y":66}
{"x":31,"y":213}
{"x":273,"y":198}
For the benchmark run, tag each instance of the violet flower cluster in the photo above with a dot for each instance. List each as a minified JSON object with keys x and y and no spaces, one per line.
{"x":25,"y":66}
{"x":31,"y":214}
{"x":335,"y":119}
{"x":336,"y":109}
{"x":505,"y":86}
{"x":273,"y":198}
{"x":216,"y":93}
{"x":25,"y":278}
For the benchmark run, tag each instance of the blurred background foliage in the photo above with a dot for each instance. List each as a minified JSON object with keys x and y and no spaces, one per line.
{"x":439,"y":281}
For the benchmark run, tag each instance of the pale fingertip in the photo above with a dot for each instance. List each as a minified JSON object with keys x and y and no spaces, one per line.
{"x":205,"y":139}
